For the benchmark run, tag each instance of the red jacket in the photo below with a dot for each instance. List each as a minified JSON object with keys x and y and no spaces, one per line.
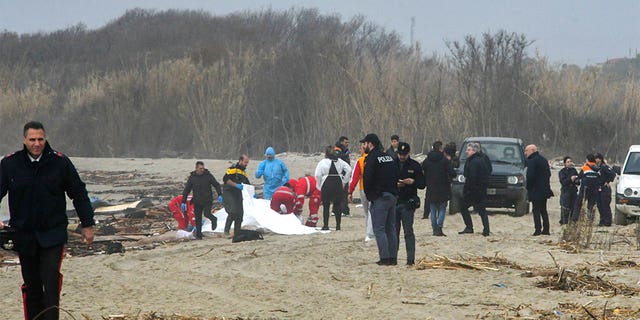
{"x":286,"y":196}
{"x":174,"y":207}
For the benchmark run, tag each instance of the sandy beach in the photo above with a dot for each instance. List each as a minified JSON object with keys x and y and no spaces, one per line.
{"x":327,"y":276}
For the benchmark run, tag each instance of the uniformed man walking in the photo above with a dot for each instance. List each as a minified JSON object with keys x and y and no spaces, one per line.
{"x":37,"y":178}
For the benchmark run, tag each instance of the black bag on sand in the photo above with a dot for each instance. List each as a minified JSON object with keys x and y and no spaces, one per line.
{"x":247,"y":235}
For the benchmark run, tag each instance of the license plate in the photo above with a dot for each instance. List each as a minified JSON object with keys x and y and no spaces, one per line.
{"x":491,"y":191}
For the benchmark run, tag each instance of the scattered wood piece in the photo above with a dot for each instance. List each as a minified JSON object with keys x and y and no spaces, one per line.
{"x":370,"y":290}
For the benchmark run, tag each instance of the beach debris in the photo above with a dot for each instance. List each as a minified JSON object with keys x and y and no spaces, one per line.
{"x":582,"y":281}
{"x":115,"y":233}
{"x":370,"y":290}
{"x":469,"y":263}
{"x":565,"y":311}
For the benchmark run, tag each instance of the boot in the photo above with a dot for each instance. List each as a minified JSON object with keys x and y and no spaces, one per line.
{"x":384,"y":262}
{"x":338,"y":220}
{"x":325,"y":219}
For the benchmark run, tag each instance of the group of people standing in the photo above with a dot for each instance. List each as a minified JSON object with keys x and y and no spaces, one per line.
{"x":592,"y":184}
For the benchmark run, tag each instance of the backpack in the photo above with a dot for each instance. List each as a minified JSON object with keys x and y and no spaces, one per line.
{"x":247,"y":235}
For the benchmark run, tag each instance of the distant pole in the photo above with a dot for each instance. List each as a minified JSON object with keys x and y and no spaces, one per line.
{"x":413,"y":26}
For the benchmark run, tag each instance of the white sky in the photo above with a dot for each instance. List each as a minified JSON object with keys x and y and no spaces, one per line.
{"x":566,"y":31}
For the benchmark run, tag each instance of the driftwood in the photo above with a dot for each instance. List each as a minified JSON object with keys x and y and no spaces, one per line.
{"x":470,"y":263}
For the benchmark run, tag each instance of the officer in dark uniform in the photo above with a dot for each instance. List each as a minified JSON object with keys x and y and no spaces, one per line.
{"x":201,"y":181}
{"x":233,"y":181}
{"x":411,"y":178}
{"x":607,"y":175}
{"x":380,"y":181}
{"x":36,"y":179}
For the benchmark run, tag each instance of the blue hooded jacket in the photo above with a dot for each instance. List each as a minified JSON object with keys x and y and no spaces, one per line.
{"x":275,"y":173}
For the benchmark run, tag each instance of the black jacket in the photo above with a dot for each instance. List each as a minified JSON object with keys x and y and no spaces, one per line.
{"x":37,"y":201}
{"x":538,"y":175}
{"x":410,"y":169}
{"x":438,"y":172}
{"x":342,"y":152}
{"x":567,"y":185}
{"x":380,"y":175}
{"x":606,"y":174}
{"x":476,"y":173}
{"x":201,"y":185}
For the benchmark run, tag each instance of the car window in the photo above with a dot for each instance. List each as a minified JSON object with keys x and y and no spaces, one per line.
{"x":632,"y":165}
{"x":498,"y":152}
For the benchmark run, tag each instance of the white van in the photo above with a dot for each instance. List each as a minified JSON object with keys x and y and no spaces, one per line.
{"x":628,"y":188}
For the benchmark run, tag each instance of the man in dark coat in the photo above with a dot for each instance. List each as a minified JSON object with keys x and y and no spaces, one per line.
{"x":37,"y":178}
{"x":342,"y":151}
{"x":538,"y":188}
{"x":438,"y":172}
{"x":200,"y":181}
{"x":474,"y":192}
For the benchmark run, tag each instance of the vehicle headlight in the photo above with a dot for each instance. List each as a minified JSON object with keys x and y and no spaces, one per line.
{"x":461,"y":178}
{"x":628,"y":192}
{"x":512,"y":179}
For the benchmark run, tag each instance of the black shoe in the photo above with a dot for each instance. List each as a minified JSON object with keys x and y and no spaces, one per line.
{"x":346,"y":214}
{"x":536,"y":233}
{"x":410,"y":262}
{"x":383,"y":262}
{"x":466,"y":230}
{"x":486,"y":233}
{"x":338,"y":228}
{"x":546,"y":233}
{"x":325,"y":228}
{"x":199,"y":236}
{"x":393,"y":261}
{"x":441,"y":234}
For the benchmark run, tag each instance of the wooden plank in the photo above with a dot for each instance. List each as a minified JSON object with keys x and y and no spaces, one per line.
{"x":116,"y":208}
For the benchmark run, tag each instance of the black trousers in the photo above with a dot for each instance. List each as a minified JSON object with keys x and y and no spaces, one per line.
{"x":604,"y":205}
{"x":198,"y":210}
{"x":331,"y":192}
{"x":540,"y":216}
{"x":482,"y":212}
{"x":42,"y":282}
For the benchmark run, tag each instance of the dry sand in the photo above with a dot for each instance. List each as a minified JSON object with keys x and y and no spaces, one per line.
{"x":321,"y":276}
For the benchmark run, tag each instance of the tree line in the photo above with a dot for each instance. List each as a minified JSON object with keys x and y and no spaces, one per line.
{"x":187,"y":83}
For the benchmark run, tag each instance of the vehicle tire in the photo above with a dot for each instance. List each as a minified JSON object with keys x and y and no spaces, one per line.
{"x":620,"y":218}
{"x":454,"y":205}
{"x":522,"y":208}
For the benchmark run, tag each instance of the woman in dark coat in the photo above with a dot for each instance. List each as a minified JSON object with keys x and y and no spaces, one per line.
{"x":569,"y":181}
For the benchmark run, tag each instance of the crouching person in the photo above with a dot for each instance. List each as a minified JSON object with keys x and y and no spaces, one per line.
{"x":283,"y":200}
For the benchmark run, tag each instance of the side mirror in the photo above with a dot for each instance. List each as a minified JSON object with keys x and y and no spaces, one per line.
{"x":616,"y":169}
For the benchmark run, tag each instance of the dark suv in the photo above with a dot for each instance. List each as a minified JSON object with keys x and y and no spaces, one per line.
{"x":507,"y":187}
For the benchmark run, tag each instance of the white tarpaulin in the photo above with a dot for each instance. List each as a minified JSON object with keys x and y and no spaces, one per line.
{"x":258,"y":214}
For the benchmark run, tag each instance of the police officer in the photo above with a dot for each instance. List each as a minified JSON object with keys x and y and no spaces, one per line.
{"x":607,"y":175}
{"x":201,"y":181}
{"x":233,"y":180}
{"x":36,"y":179}
{"x":380,"y":187}
{"x":411,"y":178}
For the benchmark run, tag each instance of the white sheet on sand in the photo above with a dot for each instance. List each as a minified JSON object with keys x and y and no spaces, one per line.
{"x":258,"y":214}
